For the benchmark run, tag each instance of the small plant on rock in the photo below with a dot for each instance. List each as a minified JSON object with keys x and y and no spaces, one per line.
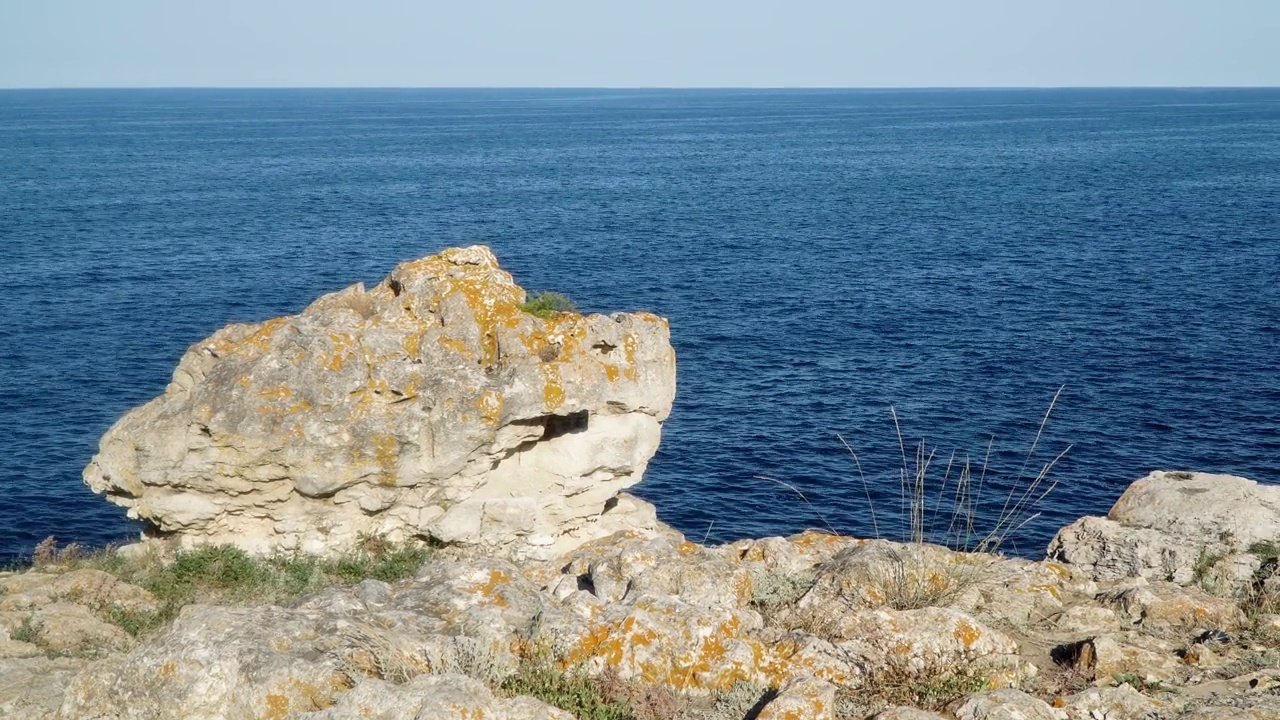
{"x":928,"y":689}
{"x":571,"y":690}
{"x":47,"y":553}
{"x":28,"y":631}
{"x":547,"y":303}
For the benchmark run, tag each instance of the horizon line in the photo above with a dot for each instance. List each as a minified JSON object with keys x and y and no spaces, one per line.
{"x":641,"y":87}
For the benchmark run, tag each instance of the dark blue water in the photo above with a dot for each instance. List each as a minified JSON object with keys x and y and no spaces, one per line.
{"x":822,"y":256}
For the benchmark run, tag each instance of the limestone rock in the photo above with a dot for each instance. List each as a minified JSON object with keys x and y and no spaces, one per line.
{"x":623,"y":566}
{"x":1005,"y":704}
{"x":1109,"y":658}
{"x":91,"y":588}
{"x":803,"y":698}
{"x":433,"y":697}
{"x":31,"y":689}
{"x":1168,"y":525}
{"x":428,"y":406}
{"x":11,"y":648}
{"x":212,"y":663}
{"x":879,"y":573}
{"x":1165,"y":606}
{"x":663,"y":640}
{"x":1113,"y":703}
{"x":68,"y":628}
{"x":1246,"y":707}
{"x":907,"y":713}
{"x":1087,"y":619}
{"x":925,"y":642}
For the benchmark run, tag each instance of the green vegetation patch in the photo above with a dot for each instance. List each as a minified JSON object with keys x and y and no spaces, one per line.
{"x":225,"y":574}
{"x":1265,"y":549}
{"x":547,"y":304}
{"x":573,"y":692}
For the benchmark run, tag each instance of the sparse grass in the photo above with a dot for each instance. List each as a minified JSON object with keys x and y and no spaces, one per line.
{"x":1204,"y":563}
{"x":1265,"y":549}
{"x":28,"y":631}
{"x":955,"y":498}
{"x":1263,"y":595}
{"x":912,"y":580}
{"x":227,"y":574}
{"x":547,"y":303}
{"x":1138,"y":683}
{"x":931,"y":689}
{"x":539,"y":676}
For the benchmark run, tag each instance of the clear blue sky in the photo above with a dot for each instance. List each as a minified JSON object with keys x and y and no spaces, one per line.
{"x":668,"y":43}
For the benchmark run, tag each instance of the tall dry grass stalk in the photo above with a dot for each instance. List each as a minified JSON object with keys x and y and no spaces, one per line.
{"x":918,"y":523}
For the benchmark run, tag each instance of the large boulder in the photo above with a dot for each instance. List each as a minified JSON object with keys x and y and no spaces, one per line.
{"x":429,"y":406}
{"x":1178,"y":526}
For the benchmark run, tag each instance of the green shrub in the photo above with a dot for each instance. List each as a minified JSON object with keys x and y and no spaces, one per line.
{"x":546,"y":303}
{"x":135,"y":622}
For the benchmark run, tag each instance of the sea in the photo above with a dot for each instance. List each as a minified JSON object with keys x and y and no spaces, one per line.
{"x":950,"y":314}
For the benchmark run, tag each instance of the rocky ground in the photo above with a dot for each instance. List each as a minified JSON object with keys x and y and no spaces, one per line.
{"x":649,"y":625}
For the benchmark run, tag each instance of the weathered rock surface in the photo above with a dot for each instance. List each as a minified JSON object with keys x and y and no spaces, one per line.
{"x":32,"y":688}
{"x":802,"y":698}
{"x":429,"y":406}
{"x":1176,"y":526}
{"x":1117,"y":703}
{"x":434,"y":697}
{"x":1006,"y":704}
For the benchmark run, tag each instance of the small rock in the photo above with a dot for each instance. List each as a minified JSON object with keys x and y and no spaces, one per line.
{"x":803,"y":698}
{"x":1005,"y":704}
{"x":907,"y":713}
{"x":1112,"y":703}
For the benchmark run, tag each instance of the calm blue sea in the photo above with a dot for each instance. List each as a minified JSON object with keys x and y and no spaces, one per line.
{"x":823,"y":256}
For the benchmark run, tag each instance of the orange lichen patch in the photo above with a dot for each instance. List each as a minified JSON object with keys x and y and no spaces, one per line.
{"x":597,"y":642}
{"x":278,"y":393}
{"x":291,"y":409}
{"x":688,"y":548}
{"x":167,"y":669}
{"x":244,"y":340}
{"x":629,"y":344}
{"x":612,"y":372}
{"x":490,"y":405}
{"x":301,"y":696}
{"x":553,"y":388}
{"x":1058,"y":569}
{"x":488,"y":589}
{"x":816,"y":544}
{"x":492,"y":305}
{"x":343,"y":347}
{"x":281,"y":393}
{"x":260,"y":340}
{"x":967,"y":633}
{"x":385,"y":451}
{"x":875,"y":595}
{"x":277,"y":707}
{"x":455,"y":345}
{"x":743,"y":589}
{"x":412,"y":344}
{"x":785,"y":660}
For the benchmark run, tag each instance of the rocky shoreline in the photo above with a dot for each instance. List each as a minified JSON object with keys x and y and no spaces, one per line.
{"x":406,"y":503}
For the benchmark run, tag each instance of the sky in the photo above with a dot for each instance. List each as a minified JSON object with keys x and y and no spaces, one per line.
{"x":653,"y":43}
